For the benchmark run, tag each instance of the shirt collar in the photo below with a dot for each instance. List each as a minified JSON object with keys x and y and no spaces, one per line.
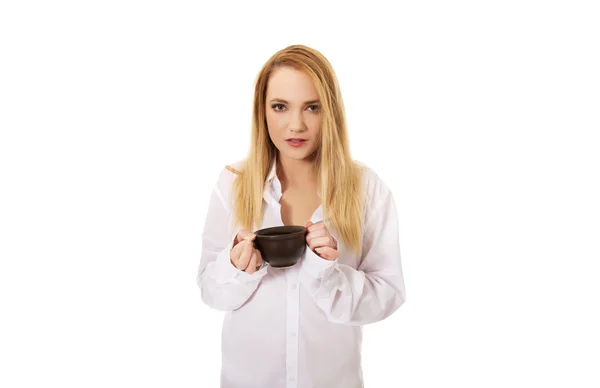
{"x":272,"y":173}
{"x":272,"y":188}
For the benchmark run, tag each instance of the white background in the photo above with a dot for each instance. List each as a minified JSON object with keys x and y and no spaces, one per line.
{"x":117,"y":116}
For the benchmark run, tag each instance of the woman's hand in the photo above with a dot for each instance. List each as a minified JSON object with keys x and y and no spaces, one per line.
{"x":321,"y":242}
{"x":243,"y":255}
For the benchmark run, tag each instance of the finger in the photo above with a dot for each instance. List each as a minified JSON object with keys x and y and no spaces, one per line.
{"x":317,"y":226}
{"x":259,"y":260}
{"x":317,"y":233}
{"x":321,"y":242}
{"x":242,"y":262}
{"x":328,"y":253}
{"x":308,"y":224}
{"x":245,"y":234}
{"x":236,"y":251}
{"x":313,"y":235}
{"x":252,"y":263}
{"x":310,"y":240}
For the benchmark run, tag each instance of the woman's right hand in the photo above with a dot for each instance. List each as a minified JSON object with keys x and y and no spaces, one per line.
{"x":243,"y":255}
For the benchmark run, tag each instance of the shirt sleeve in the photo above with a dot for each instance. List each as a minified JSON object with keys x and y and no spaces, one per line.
{"x":222,"y":286}
{"x":370,"y":293}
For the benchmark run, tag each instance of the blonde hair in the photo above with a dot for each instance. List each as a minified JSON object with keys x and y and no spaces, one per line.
{"x":339,"y":176}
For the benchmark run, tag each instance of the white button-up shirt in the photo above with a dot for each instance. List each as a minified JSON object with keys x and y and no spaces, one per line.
{"x":300,"y":327}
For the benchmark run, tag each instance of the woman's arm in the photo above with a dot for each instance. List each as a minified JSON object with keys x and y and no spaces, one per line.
{"x":222,"y":285}
{"x":373,"y":291}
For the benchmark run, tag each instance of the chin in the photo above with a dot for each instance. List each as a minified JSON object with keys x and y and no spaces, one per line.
{"x":293,"y":155}
{"x":301,"y":155}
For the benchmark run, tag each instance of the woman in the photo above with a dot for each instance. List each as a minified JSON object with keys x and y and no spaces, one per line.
{"x":299,"y":326}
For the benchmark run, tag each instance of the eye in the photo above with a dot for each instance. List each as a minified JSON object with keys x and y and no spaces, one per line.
{"x":278,"y":107}
{"x":314,"y":108}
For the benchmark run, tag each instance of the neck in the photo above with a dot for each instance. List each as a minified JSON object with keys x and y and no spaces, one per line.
{"x":296,"y":173}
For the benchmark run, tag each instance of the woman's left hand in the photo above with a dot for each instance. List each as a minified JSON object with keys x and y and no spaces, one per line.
{"x":320,"y":241}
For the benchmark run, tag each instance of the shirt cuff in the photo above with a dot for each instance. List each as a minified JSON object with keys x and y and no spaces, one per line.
{"x":315,"y":265}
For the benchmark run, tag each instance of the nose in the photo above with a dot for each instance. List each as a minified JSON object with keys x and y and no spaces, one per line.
{"x":296,"y":122}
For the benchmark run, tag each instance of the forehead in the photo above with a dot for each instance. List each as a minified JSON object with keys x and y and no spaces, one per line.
{"x":291,"y":85}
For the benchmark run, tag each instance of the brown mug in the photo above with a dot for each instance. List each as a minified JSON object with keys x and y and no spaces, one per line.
{"x":281,"y":246}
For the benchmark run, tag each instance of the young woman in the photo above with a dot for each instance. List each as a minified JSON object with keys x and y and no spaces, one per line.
{"x":299,"y":326}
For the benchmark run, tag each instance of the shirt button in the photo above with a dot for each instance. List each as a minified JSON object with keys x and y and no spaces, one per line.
{"x":293,"y":334}
{"x":293,"y":286}
{"x":292,"y":378}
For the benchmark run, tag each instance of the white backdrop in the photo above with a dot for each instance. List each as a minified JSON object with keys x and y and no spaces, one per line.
{"x":117,"y":116}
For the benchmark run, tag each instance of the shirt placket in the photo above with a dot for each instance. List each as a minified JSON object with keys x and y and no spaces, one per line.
{"x":293,"y":315}
{"x":292,"y":298}
{"x":272,"y":196}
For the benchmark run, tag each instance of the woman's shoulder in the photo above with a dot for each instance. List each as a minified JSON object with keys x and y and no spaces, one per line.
{"x":235,"y":168}
{"x":373,"y":185}
{"x":227,"y":174}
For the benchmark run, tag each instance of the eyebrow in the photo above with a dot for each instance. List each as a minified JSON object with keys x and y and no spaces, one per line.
{"x":285,"y":102}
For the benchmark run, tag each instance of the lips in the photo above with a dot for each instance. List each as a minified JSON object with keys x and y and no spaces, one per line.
{"x":295,"y":139}
{"x":296,"y":142}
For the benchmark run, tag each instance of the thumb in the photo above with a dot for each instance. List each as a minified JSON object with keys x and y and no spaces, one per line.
{"x":245,"y":234}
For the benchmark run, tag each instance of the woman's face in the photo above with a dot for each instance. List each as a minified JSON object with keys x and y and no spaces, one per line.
{"x":293,"y":112}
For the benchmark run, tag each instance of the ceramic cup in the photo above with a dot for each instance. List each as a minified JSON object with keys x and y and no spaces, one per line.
{"x":281,"y":246}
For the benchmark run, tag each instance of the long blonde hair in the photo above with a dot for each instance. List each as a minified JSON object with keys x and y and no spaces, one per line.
{"x":339,"y":176}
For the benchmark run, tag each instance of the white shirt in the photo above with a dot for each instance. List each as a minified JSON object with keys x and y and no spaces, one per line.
{"x":300,"y":327}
